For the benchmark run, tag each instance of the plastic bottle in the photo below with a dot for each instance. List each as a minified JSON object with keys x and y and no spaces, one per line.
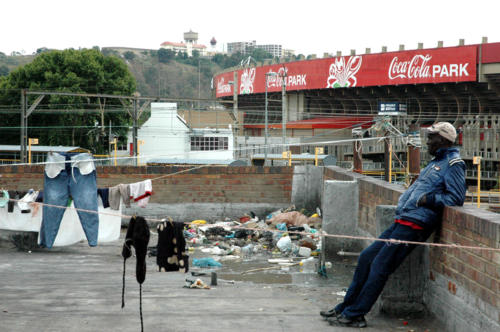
{"x":247,"y":250}
{"x":308,"y":264}
{"x":304,"y":252}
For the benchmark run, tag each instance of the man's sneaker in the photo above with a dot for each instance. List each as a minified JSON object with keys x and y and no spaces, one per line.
{"x":342,"y":320}
{"x":329,"y":313}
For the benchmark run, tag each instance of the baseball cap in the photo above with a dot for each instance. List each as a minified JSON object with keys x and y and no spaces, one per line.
{"x":444,"y":129}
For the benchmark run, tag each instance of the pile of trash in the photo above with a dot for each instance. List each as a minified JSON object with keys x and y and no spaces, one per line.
{"x":285,"y":234}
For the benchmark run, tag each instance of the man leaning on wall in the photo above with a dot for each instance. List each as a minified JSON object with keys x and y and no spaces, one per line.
{"x":441,"y":183}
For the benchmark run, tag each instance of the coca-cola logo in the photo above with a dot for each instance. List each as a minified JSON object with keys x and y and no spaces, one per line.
{"x":420,"y":67}
{"x":417,"y":67}
{"x":223,"y":87}
{"x":275,"y":79}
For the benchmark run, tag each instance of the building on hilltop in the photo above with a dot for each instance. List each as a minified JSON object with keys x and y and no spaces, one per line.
{"x":189,"y":45}
{"x":274,"y":49}
{"x":241,"y":47}
{"x":246,"y":48}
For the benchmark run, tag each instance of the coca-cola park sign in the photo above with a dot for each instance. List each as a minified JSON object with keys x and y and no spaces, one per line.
{"x":451,"y":64}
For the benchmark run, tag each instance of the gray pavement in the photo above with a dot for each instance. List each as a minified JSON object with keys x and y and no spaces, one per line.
{"x":78,"y":288}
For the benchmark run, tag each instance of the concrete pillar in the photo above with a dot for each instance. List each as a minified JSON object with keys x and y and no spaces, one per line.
{"x":340,"y":205}
{"x":420,"y":46}
{"x":404,"y":291}
{"x":307,"y":186}
{"x":296,"y":104}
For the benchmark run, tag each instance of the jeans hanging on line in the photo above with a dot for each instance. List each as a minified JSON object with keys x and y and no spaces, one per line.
{"x":69,"y":174}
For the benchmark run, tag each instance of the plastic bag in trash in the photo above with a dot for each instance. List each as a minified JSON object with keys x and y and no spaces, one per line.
{"x":206,"y":262}
{"x":284,"y":244}
{"x":281,"y":227}
{"x":247,"y":250}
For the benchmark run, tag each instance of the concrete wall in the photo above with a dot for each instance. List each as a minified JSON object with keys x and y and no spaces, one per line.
{"x":463,"y":285}
{"x":340,"y":216}
{"x":307,"y":186}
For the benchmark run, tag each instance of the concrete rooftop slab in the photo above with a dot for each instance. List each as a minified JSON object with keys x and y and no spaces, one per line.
{"x":78,"y":288}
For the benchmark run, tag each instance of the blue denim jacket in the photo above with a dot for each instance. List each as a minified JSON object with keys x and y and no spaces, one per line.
{"x":443,"y":184}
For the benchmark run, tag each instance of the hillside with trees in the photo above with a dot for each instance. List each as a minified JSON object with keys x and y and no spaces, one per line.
{"x":119,"y":71}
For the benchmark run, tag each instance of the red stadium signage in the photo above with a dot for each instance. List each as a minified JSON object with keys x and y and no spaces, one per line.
{"x":452,"y":64}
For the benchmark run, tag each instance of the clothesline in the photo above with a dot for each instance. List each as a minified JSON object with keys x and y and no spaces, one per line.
{"x":322,"y":234}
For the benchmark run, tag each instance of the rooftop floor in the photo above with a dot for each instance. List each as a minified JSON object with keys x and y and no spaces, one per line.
{"x":78,"y":288}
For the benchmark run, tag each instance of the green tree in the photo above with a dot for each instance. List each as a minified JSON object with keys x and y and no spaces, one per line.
{"x":129,"y":55}
{"x":260,"y":54}
{"x":164,"y":55}
{"x":4,"y":70}
{"x":77,"y":71}
{"x":41,"y":50}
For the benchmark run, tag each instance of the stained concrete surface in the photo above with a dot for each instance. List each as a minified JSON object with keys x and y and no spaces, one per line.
{"x":78,"y":288}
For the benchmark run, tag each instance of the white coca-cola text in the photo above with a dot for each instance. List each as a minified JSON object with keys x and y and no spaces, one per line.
{"x":419,"y":67}
{"x":223,"y":87}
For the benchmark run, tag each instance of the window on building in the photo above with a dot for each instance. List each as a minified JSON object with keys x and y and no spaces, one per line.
{"x":202,"y":143}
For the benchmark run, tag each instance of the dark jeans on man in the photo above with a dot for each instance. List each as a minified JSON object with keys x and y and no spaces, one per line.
{"x":375,"y":264}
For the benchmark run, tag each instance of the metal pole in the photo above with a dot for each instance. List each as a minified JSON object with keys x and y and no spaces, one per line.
{"x":283,"y":111}
{"x":387,"y":158}
{"x":235,"y":111}
{"x":479,"y":183}
{"x":265,"y":125}
{"x":22,"y":142}
{"x":135,"y":132}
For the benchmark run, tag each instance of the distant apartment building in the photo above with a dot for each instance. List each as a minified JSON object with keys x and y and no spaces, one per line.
{"x":274,"y":49}
{"x":246,"y":48}
{"x":189,"y":45}
{"x":241,"y":47}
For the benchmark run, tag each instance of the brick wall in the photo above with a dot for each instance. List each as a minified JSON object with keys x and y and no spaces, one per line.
{"x":469,"y":279}
{"x":204,"y":185}
{"x":476,"y":271}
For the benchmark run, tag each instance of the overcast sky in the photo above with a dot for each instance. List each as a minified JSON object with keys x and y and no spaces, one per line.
{"x":306,"y":26}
